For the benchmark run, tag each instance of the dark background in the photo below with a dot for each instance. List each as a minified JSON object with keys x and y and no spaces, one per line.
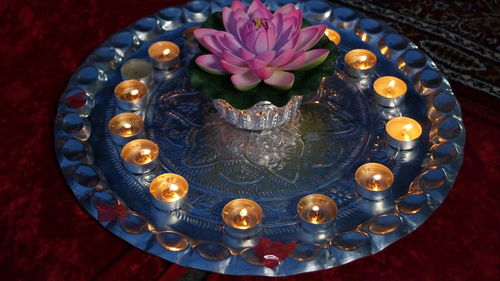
{"x":46,"y":235}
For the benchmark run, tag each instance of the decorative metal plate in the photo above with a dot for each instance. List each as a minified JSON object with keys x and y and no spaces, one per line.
{"x":337,"y":129}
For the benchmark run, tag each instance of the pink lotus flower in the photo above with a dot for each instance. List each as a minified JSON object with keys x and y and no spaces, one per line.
{"x":261,"y":46}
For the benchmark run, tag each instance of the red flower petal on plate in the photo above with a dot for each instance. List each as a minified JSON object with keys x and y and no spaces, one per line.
{"x":77,"y":100}
{"x":272,"y":253}
{"x":106,"y":213}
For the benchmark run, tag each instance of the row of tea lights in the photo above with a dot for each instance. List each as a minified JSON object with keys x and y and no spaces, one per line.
{"x":242,"y":216}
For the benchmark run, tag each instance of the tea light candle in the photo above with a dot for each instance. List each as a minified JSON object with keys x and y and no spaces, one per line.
{"x":165,"y":54}
{"x":140,"y":155}
{"x":137,"y":69}
{"x":333,"y":36}
{"x":190,"y":42}
{"x":125,"y":127}
{"x":242,"y":218}
{"x":168,"y":191}
{"x":403,"y":132}
{"x":359,"y":63}
{"x":131,"y":95}
{"x":389,"y":91}
{"x":374,"y":181}
{"x":317,"y":212}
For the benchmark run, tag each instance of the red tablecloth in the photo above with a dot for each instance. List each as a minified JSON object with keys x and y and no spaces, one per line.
{"x":46,"y":235}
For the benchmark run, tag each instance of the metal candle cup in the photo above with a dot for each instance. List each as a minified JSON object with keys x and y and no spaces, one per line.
{"x":190,"y":42}
{"x":140,"y":156}
{"x":393,"y":45}
{"x":165,"y":55}
{"x":168,"y":191}
{"x":125,"y":127}
{"x":137,"y":69}
{"x":360,"y":63}
{"x":131,"y":95}
{"x":333,"y":36}
{"x":403,"y":133}
{"x":374,"y":181}
{"x":242,"y":218}
{"x":317,"y":212}
{"x":389,"y":91}
{"x":369,"y":30}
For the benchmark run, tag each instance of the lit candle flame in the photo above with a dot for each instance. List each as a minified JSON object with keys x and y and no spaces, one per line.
{"x":374,"y":183}
{"x":144,"y":156}
{"x":134,"y":92}
{"x":170,"y":192}
{"x":406,"y":129}
{"x":243,"y":212}
{"x":164,"y":54}
{"x":315,"y":215}
{"x":361,"y":62}
{"x":242,"y":218}
{"x":126,"y":129}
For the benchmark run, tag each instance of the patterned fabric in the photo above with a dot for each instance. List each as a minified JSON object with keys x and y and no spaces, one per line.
{"x":462,"y":37}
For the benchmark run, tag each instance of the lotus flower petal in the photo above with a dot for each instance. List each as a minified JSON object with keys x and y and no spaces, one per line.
{"x":212,"y":44}
{"x":283,"y":58}
{"x":245,"y":81}
{"x":257,"y":64}
{"x":296,"y":62}
{"x":265,"y":73}
{"x":229,"y":20}
{"x":246,"y":55}
{"x":238,"y":6}
{"x":255,"y":6}
{"x":313,"y":58}
{"x":210,"y":63}
{"x":233,"y":59}
{"x":201,"y":32}
{"x":310,"y":36}
{"x":259,"y":45}
{"x":266,"y":56}
{"x":281,"y":79}
{"x":231,"y":68}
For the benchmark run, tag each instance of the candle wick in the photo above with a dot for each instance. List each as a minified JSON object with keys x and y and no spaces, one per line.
{"x":390,"y":88}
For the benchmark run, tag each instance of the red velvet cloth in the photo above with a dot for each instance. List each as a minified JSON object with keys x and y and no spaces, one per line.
{"x":46,"y":235}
